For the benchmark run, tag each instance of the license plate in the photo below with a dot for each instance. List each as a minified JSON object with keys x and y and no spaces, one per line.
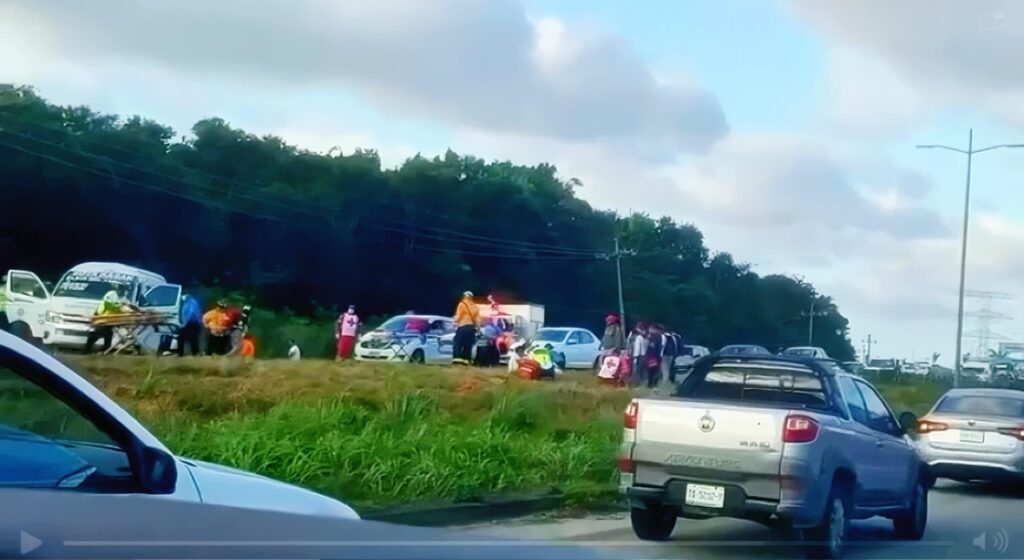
{"x":705,"y":496}
{"x":372,"y":353}
{"x":968,"y":436}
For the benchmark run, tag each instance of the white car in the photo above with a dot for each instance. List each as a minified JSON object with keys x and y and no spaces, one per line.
{"x":408,"y":338}
{"x":59,"y":433}
{"x":806,"y":352}
{"x":689,"y":354}
{"x":579,"y":346}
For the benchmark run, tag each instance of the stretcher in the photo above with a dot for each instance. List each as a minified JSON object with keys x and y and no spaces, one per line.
{"x":128,"y":327}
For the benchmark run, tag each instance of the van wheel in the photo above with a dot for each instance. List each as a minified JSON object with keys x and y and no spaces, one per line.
{"x":655,"y":523}
{"x":911,"y":524}
{"x":829,"y":536}
{"x":417,"y":357}
{"x":23,"y":331}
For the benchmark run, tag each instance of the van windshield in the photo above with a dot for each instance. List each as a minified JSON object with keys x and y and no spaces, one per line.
{"x":93,"y":287}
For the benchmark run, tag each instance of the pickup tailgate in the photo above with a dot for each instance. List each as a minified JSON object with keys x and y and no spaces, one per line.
{"x":713,"y":442}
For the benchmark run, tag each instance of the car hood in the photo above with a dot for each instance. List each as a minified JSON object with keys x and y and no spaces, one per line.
{"x":220,"y":485}
{"x":74,"y":306}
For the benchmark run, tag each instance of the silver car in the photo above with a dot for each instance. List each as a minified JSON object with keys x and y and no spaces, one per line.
{"x":59,"y":432}
{"x":975,"y":434}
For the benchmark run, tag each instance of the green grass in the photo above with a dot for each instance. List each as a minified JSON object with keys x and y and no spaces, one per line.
{"x":385,"y":435}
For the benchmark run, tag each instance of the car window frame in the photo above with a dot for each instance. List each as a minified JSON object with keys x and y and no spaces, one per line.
{"x":894,"y":424}
{"x":585,"y":334}
{"x":60,"y":389}
{"x":572,"y":339}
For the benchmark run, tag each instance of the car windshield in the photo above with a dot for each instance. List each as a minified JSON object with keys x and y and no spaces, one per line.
{"x":757,"y":383}
{"x":981,"y":406}
{"x":808,"y":352}
{"x":551,"y":335}
{"x":91,"y":289}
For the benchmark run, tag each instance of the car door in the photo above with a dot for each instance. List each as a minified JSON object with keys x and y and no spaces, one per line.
{"x":590,"y":348}
{"x":28,"y":300}
{"x":896,"y":457}
{"x":573,"y":349}
{"x":860,"y":445}
{"x":57,"y":431}
{"x":164,"y":299}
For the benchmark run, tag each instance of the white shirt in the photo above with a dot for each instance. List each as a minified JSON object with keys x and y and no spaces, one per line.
{"x":294,"y":353}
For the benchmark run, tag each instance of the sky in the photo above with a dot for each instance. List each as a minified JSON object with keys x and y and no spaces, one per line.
{"x":784,"y":130}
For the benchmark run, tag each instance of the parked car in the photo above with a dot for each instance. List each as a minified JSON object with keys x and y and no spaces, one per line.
{"x":743,"y":350}
{"x":806,"y":352}
{"x":1003,"y":373}
{"x":975,"y":434}
{"x":976,"y":370}
{"x":409,"y":338}
{"x":687,"y":356}
{"x":881,"y":368}
{"x":579,"y":346}
{"x":59,"y":432}
{"x":791,"y":441}
{"x":62,"y":319}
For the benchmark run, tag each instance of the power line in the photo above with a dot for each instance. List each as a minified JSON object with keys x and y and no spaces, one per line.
{"x":486,"y":242}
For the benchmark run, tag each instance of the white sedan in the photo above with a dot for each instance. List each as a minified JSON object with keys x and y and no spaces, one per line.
{"x":580,"y":347}
{"x":408,"y":338}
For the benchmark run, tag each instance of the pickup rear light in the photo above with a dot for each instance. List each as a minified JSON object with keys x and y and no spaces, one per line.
{"x":799,"y":429}
{"x":632,"y":411}
{"x":626,"y":465}
{"x":927,"y":427}
{"x":1017,"y":432}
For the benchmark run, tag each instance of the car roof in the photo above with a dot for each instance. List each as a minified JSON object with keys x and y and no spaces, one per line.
{"x":986,"y":392}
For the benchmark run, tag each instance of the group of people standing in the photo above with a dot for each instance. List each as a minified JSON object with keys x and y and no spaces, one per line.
{"x":226,"y":328}
{"x":650,"y":347}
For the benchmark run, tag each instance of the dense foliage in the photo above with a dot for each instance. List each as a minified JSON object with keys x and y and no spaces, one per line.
{"x":309,"y":231}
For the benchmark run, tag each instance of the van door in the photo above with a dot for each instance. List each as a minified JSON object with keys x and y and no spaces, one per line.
{"x":164,"y":299}
{"x":28,"y":300}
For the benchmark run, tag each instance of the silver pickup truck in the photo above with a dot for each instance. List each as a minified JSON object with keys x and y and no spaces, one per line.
{"x":791,"y":442}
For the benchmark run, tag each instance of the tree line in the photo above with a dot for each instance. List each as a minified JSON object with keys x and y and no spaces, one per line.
{"x":309,"y":232}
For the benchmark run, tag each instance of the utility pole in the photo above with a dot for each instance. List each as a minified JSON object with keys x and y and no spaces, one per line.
{"x":969,"y":152}
{"x":618,"y":275}
{"x":868,"y":343}
{"x":810,"y":326}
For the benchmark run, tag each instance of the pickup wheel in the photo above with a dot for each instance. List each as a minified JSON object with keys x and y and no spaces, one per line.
{"x":418,"y":357}
{"x":911,"y":524}
{"x":829,"y":537}
{"x":655,"y":523}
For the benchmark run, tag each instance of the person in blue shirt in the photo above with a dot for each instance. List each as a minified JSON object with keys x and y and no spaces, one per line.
{"x":191,"y":325}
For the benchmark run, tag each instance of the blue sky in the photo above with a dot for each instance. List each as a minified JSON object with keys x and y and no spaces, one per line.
{"x":785,"y":130}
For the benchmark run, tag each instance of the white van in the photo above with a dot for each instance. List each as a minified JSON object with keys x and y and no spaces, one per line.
{"x":62,"y":319}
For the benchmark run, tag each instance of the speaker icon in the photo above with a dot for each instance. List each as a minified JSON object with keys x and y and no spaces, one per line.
{"x":998,"y":540}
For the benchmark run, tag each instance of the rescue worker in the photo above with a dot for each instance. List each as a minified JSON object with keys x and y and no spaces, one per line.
{"x":466,"y":318}
{"x":111,"y":304}
{"x":218,"y":329}
{"x":345,"y":331}
{"x":191,"y":325}
{"x":613,"y":338}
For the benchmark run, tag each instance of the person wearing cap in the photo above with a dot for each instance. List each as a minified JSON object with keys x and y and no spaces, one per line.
{"x":345,"y":331}
{"x":613,"y":338}
{"x":218,"y":329}
{"x":467,"y":315}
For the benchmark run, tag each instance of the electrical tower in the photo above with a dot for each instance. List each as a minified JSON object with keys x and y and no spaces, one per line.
{"x":984,"y":316}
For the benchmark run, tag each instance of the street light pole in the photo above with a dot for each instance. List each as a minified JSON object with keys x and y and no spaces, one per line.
{"x":969,"y":152}
{"x":810,"y":327}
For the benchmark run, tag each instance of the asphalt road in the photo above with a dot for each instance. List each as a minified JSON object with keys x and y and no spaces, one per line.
{"x":961,"y":517}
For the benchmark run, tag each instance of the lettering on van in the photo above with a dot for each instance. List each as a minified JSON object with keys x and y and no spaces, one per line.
{"x":684,"y":460}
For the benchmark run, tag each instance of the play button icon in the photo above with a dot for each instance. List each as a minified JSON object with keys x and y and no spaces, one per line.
{"x":29,"y":543}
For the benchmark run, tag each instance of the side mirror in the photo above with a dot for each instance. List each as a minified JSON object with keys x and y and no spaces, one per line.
{"x":158,"y":472}
{"x":908,"y":421}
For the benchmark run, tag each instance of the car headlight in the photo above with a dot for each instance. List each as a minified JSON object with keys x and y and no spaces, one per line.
{"x":54,"y":317}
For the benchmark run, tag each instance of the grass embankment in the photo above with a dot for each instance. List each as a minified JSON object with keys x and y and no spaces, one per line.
{"x":377,"y":434}
{"x":383,"y":435}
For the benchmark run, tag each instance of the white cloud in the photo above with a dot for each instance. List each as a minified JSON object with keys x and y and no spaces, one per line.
{"x":477,"y":64}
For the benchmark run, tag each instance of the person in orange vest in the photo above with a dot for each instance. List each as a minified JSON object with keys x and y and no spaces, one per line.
{"x":466,"y":318}
{"x":248,"y":351}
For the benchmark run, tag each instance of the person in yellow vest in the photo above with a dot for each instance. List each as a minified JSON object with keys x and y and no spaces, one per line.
{"x":111,"y":304}
{"x":466,"y":318}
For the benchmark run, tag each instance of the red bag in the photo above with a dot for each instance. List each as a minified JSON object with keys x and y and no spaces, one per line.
{"x":528,"y":369}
